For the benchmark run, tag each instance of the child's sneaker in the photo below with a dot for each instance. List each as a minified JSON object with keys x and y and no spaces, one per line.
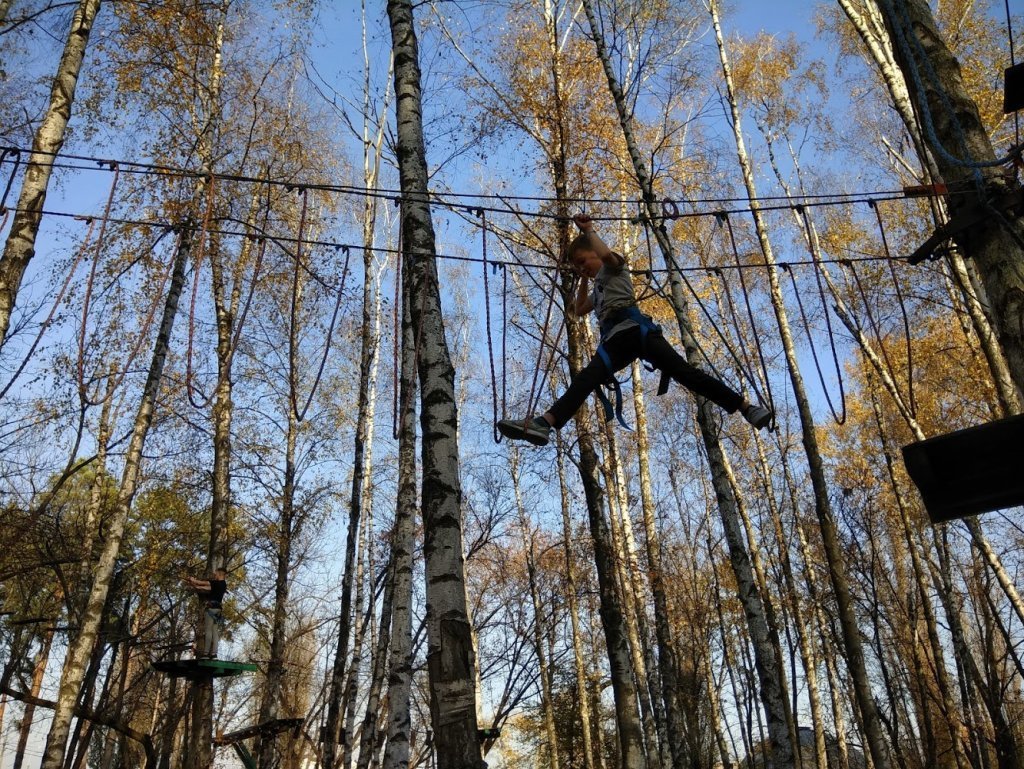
{"x":537,"y":430}
{"x":758,"y":416}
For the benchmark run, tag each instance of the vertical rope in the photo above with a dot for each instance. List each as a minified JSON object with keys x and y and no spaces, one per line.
{"x":257,"y":266}
{"x":816,"y":267}
{"x":903,"y":307}
{"x":292,"y":331}
{"x":90,"y":282}
{"x":504,"y":339}
{"x":1013,"y":63}
{"x":750,"y":312}
{"x":487,"y":323}
{"x":330,"y":336}
{"x":395,"y":425}
{"x":534,"y":398}
{"x":190,"y":390}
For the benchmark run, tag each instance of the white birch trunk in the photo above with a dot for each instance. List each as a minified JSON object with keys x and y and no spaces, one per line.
{"x":47,"y":142}
{"x":396,"y":755}
{"x":826,"y":519}
{"x":450,"y":660}
{"x":769,"y":675}
{"x":81,"y":647}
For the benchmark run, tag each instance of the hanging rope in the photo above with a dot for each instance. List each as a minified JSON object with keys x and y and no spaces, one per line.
{"x":750,"y":313}
{"x":1013,"y":63}
{"x":675,"y":268}
{"x":90,"y":282}
{"x":395,"y":425}
{"x":257,"y":266}
{"x":293,"y":385}
{"x":158,"y":299}
{"x":116,"y":380}
{"x":190,"y":389}
{"x":330,"y":335}
{"x":490,"y":340}
{"x":535,"y":390}
{"x":903,"y":308}
{"x":504,"y":339}
{"x":840,"y":418}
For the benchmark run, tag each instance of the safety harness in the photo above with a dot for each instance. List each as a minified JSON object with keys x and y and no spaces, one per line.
{"x":647,"y":326}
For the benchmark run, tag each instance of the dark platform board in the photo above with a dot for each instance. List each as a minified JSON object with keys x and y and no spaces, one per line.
{"x":970,"y":471}
{"x":195,"y":670}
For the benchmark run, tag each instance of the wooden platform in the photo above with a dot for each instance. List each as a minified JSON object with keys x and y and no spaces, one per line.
{"x":197,"y":669}
{"x":970,"y":471}
{"x":267,"y":729}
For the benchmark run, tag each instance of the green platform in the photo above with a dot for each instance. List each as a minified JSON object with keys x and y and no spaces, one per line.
{"x":196,"y":670}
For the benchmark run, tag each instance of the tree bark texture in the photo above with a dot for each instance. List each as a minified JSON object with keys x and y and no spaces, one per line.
{"x":450,"y":659}
{"x":81,"y":647}
{"x":47,"y":142}
{"x":769,"y":674}
{"x":959,"y":143}
{"x":396,"y":754}
{"x":826,"y":518}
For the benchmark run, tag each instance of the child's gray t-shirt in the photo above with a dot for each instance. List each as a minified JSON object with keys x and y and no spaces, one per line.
{"x":613,"y":291}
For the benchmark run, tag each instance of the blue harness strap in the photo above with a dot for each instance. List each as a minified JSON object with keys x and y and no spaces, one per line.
{"x":647,"y":326}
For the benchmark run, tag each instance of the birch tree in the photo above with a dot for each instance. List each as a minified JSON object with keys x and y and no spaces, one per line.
{"x":46,"y":144}
{"x":450,"y":658}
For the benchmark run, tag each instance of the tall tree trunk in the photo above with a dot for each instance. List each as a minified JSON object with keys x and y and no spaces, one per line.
{"x":769,"y":674}
{"x":223,"y":408}
{"x":47,"y":142}
{"x":957,"y":139}
{"x":396,"y":755}
{"x":826,"y":519}
{"x":82,"y":645}
{"x":662,"y":621}
{"x":343,"y":683}
{"x":627,"y":571}
{"x":544,"y":673}
{"x":582,"y":689}
{"x":38,"y":669}
{"x":450,"y":660}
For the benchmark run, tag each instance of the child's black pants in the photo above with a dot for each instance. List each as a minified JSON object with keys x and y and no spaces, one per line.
{"x":623,"y":349}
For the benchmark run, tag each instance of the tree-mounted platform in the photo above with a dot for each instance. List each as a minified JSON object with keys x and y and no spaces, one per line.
{"x":1009,"y":205}
{"x":199,"y":669}
{"x":970,"y":471}
{"x":266,"y":729}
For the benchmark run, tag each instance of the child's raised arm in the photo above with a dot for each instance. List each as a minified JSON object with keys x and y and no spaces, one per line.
{"x":605,"y":254}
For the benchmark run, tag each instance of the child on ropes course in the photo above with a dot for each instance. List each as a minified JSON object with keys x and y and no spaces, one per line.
{"x":211,"y":590}
{"x":626,"y":334}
